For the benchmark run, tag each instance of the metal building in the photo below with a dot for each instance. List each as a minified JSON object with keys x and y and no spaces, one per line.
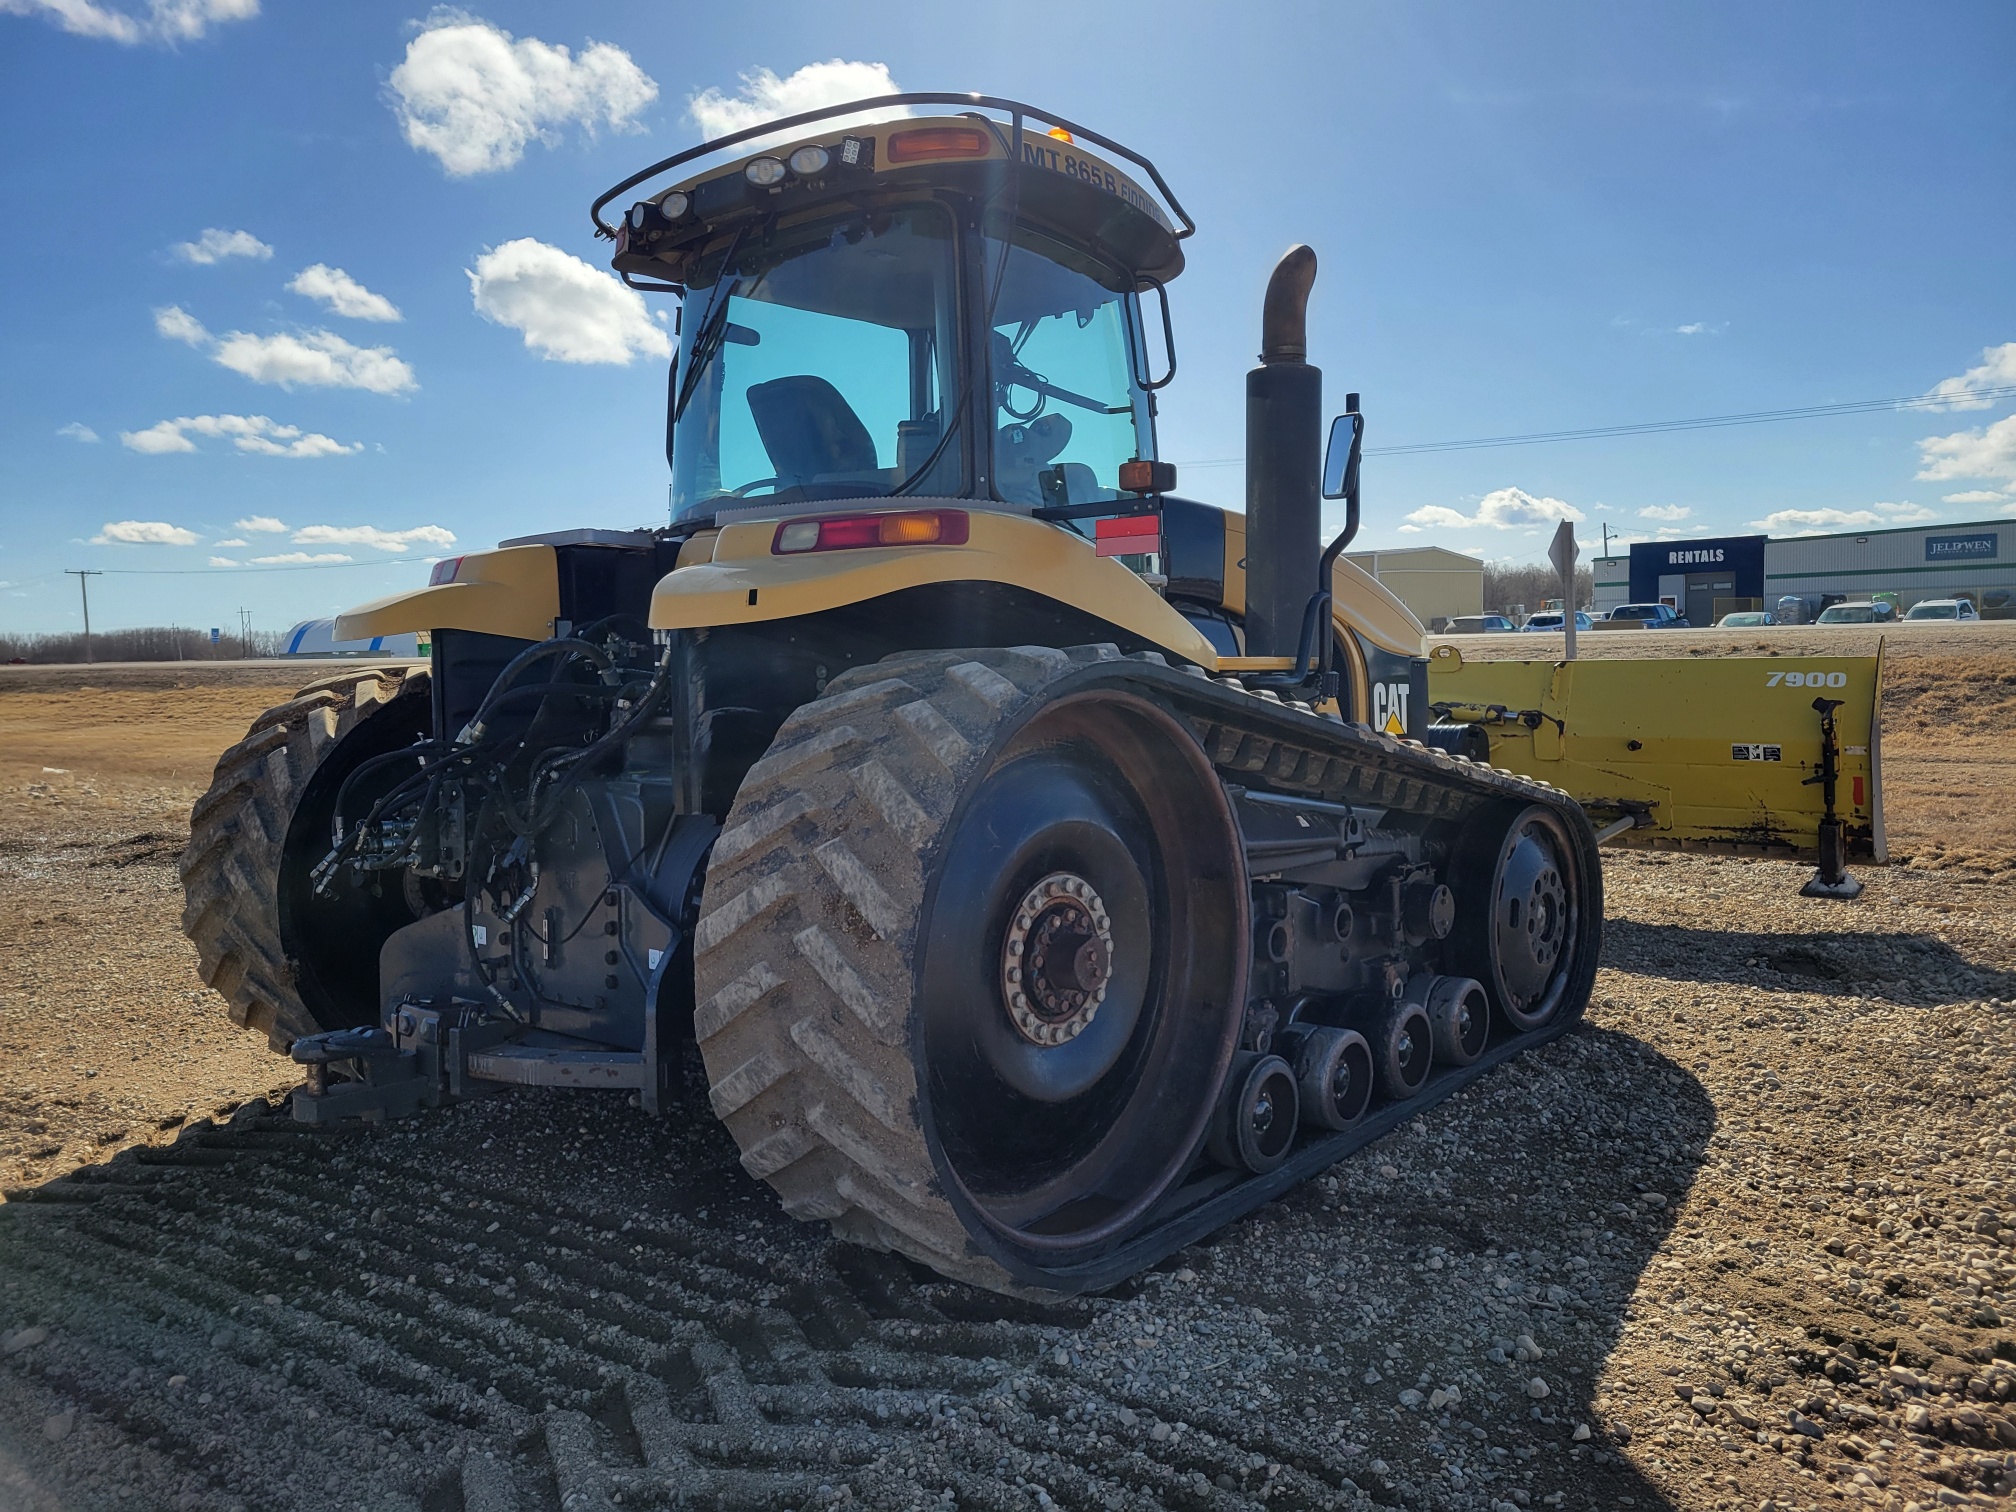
{"x":1709,"y":577}
{"x":1433,"y":582}
{"x":317,"y":637}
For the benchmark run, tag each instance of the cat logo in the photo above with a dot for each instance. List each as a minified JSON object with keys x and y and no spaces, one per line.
{"x":1389,"y":708}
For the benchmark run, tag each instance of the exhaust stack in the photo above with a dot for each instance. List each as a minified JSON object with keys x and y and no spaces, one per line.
{"x":1284,"y":461}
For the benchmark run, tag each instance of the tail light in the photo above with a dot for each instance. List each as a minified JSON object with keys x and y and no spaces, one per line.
{"x":915,"y":527}
{"x":444,"y":571}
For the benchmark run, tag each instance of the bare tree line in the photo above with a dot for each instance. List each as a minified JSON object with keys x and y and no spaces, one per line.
{"x":148,"y":643}
{"x":1507,"y":584}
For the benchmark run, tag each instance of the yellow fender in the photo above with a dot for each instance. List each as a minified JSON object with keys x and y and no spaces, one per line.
{"x":514,"y":591}
{"x":1700,"y":754}
{"x":743,"y":581}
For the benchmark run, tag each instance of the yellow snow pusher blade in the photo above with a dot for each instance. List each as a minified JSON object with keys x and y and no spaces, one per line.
{"x":1748,"y":756}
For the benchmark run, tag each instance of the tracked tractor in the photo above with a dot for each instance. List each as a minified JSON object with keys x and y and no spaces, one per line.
{"x":1035,"y":856}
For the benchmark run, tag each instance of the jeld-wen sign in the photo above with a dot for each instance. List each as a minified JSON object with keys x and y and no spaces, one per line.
{"x":1962,"y":548}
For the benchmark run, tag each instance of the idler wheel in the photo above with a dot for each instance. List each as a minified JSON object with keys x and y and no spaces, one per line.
{"x":1333,"y":1074}
{"x":1520,"y":925}
{"x":1403,"y":1051}
{"x":1459,"y":1017}
{"x":1255,"y":1124}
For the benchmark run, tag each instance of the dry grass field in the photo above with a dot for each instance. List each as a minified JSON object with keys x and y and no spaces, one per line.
{"x":1746,"y":1240}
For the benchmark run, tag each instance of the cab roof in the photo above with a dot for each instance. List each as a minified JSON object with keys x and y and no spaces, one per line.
{"x":806,"y":162}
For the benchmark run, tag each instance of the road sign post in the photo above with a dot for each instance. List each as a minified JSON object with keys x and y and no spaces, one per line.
{"x":1562,"y":555}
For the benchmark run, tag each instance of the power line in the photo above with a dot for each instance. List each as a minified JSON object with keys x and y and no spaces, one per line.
{"x":235,"y":571}
{"x":1655,"y":427}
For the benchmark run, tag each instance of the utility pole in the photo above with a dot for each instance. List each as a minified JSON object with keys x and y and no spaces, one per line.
{"x":1606,"y":540}
{"x":84,"y":576}
{"x":244,"y":632}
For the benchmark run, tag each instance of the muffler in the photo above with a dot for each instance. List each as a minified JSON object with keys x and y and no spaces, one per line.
{"x":1284,"y":463}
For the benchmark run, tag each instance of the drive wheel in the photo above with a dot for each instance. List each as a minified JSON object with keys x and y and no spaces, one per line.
{"x":970,"y":958}
{"x":284,"y":967}
{"x":1529,"y":906}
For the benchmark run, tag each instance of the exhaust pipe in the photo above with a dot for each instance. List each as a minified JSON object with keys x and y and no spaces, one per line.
{"x":1284,"y":463}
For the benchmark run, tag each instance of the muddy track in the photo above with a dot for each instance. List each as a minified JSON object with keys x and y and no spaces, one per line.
{"x":326,"y":1304}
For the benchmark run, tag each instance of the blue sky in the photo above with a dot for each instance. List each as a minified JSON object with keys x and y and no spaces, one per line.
{"x":1529,"y":219}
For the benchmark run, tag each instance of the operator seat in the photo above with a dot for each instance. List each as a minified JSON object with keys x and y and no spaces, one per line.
{"x":810,"y":430}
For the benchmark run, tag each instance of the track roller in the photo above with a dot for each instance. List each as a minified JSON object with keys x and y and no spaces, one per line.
{"x":1459,"y":1017}
{"x":1403,"y":1050}
{"x":1255,"y":1122}
{"x":1333,"y":1074}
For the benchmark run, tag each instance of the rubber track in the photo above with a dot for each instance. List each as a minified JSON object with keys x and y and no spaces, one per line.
{"x":806,"y":938}
{"x":461,"y":1347}
{"x":231,"y":867}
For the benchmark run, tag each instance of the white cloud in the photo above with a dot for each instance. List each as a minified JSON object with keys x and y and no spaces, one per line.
{"x":318,"y":359}
{"x":165,"y":21}
{"x":343,"y":294}
{"x":474,"y":96}
{"x":1997,"y":370}
{"x":1701,"y":328}
{"x":301,"y":558}
{"x":177,"y":324}
{"x":77,"y":430}
{"x":371,"y":535}
{"x":1665,"y":512}
{"x":765,"y":97}
{"x":260,"y":525}
{"x":249,"y":433}
{"x":1502,"y":509}
{"x":566,"y":310}
{"x":1907,"y":513}
{"x":215,"y":245}
{"x":233,"y":541}
{"x":1989,"y":453}
{"x":217,"y":561}
{"x":143,"y":533}
{"x":1815,"y":521}
{"x":1980,"y":496}
{"x":157,"y":440}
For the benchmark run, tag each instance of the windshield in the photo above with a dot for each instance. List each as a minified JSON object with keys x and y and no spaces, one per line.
{"x":819,"y":362}
{"x":1843,"y":614}
{"x":1934,"y":611}
{"x":1066,"y":356}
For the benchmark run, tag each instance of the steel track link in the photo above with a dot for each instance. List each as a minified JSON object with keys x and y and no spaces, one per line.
{"x":548,"y":1354}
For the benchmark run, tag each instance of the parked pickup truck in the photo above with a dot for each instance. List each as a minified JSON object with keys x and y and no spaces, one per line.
{"x":1644,"y":617}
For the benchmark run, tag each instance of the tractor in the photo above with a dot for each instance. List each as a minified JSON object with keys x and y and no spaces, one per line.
{"x":1046,"y":868}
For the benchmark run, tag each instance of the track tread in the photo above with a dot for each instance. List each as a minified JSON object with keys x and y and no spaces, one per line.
{"x":820,"y":988}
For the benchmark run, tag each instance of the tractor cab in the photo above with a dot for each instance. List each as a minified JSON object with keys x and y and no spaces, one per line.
{"x":943,"y":306}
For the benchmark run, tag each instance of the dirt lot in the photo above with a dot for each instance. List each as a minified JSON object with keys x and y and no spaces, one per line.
{"x":1748,"y":1239}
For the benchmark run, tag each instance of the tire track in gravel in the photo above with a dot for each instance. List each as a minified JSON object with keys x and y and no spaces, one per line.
{"x":263,"y":1316}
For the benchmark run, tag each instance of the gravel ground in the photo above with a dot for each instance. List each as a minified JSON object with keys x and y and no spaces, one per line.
{"x":1747,"y":1238}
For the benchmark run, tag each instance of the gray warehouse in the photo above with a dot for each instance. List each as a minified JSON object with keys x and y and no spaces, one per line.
{"x":1705,"y":579}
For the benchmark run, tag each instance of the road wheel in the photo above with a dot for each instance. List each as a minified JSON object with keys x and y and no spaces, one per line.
{"x":1529,"y":911}
{"x":970,"y":960}
{"x":287,"y":966}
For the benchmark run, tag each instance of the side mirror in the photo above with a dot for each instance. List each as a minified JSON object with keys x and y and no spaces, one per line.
{"x":1341,"y":456}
